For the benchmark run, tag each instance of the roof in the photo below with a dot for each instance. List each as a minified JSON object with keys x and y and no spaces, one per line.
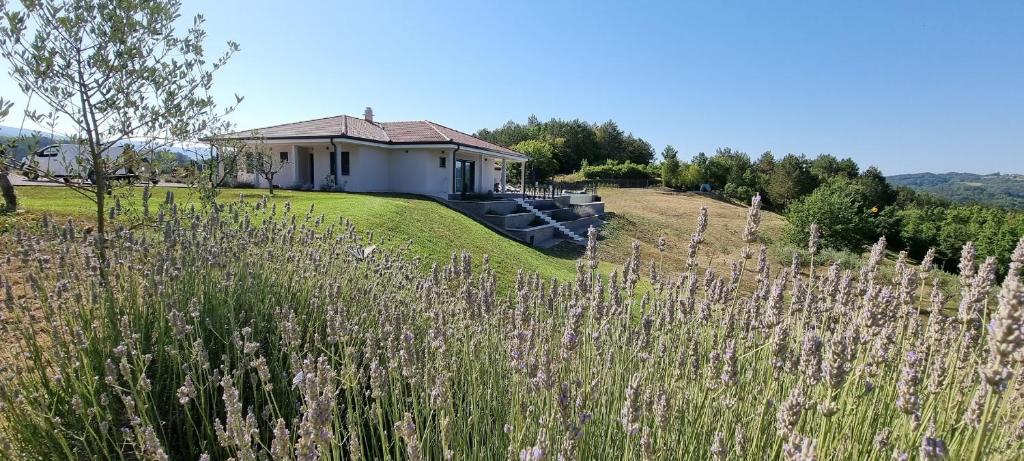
{"x":387,"y":133}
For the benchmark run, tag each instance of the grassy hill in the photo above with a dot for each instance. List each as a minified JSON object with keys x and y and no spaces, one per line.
{"x":433,"y":230}
{"x":1006,"y":190}
{"x":648,"y":214}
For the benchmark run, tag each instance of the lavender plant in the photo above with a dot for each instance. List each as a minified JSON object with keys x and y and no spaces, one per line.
{"x":256,"y":331}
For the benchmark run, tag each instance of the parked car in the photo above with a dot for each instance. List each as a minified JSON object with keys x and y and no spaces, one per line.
{"x":72,"y":161}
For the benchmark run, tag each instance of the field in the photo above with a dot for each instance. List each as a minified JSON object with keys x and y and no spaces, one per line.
{"x":259,"y":332}
{"x":648,"y":214}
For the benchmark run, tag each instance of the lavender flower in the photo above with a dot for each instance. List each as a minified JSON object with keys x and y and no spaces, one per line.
{"x":932,"y":447}
{"x":753,"y":220}
{"x":718,"y":450}
{"x":908,"y":398}
{"x":813,"y":239}
{"x":591,"y":252}
{"x":406,"y":428}
{"x":631,"y":407}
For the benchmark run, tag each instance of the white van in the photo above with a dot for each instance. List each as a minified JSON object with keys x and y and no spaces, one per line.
{"x":70,"y":161}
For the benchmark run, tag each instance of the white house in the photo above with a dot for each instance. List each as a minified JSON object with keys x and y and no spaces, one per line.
{"x":364,"y":155}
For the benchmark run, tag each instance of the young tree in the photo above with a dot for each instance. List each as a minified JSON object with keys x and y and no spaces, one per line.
{"x":790,"y":179}
{"x":258,"y":158}
{"x":114,"y":71}
{"x":6,"y":161}
{"x":670,"y":167}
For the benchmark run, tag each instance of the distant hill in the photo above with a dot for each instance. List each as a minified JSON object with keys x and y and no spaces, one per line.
{"x":1006,"y":190}
{"x":42,"y":139}
{"x":29,"y":139}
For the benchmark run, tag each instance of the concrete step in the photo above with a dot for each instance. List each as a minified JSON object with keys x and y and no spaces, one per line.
{"x":548,"y":219}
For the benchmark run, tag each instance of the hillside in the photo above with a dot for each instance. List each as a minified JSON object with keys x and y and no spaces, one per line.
{"x":1005,"y":190}
{"x":431,"y":230}
{"x":651,"y":213}
{"x":31,"y":140}
{"x":26,"y":140}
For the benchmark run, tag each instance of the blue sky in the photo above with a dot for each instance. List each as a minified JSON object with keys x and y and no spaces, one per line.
{"x":906,"y":86}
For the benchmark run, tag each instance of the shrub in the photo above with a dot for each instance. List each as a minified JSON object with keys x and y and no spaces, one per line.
{"x":242,"y":184}
{"x":328,"y":183}
{"x":837,"y":210}
{"x":617,"y":170}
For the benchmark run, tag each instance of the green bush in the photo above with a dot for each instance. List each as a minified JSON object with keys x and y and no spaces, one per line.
{"x":617,"y":170}
{"x":838,"y":211}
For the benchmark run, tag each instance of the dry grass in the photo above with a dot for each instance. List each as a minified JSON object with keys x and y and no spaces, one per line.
{"x":648,"y":214}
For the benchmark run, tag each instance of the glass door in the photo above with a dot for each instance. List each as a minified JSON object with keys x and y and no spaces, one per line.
{"x":465,"y":175}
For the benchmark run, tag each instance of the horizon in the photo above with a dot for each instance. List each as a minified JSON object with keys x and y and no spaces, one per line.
{"x":907,"y":88}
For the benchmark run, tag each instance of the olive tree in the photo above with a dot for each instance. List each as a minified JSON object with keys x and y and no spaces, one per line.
{"x":113,"y":71}
{"x":257,"y":158}
{"x":6,"y":188}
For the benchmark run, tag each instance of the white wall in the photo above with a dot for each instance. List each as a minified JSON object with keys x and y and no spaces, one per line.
{"x":381,"y":169}
{"x":485,"y":174}
{"x":286,"y":173}
{"x":418,"y":171}
{"x":368,"y":168}
{"x":321,"y":163}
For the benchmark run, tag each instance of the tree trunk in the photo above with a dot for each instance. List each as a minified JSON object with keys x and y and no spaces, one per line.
{"x":101,"y":234}
{"x":10,"y":199}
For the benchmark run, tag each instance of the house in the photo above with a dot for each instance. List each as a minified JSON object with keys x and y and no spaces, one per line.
{"x":363,"y":155}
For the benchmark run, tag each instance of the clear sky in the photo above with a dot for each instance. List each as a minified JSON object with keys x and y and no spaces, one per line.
{"x":907,"y":86}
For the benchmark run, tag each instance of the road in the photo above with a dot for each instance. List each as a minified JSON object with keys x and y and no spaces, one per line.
{"x":19,"y":180}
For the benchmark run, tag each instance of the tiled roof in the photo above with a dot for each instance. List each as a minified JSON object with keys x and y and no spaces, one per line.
{"x":344,"y":126}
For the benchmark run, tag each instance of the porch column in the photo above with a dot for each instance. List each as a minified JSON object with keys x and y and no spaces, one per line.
{"x":503,"y":177}
{"x":480,"y":175}
{"x":451,"y":172}
{"x":294,"y":157}
{"x":522,"y":170}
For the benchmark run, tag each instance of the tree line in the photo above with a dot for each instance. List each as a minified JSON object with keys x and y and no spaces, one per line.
{"x":852,"y":207}
{"x":565,"y":146}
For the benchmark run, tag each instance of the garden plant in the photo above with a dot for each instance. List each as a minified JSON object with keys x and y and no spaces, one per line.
{"x":255,"y":331}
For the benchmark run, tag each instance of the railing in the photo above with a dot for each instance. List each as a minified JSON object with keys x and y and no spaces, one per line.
{"x":628,"y":182}
{"x":551,"y":190}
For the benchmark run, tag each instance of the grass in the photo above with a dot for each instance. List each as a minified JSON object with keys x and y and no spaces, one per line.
{"x":648,"y":214}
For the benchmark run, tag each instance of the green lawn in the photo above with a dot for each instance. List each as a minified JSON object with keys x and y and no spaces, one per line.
{"x":434,"y":230}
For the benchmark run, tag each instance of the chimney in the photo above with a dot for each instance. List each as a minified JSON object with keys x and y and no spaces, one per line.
{"x":368,"y":114}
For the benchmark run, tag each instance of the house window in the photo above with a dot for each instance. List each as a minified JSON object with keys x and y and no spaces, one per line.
{"x":284,"y":156}
{"x":444,"y":162}
{"x":344,"y":163}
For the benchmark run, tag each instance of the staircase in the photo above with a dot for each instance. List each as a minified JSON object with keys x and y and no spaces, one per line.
{"x":561,"y":228}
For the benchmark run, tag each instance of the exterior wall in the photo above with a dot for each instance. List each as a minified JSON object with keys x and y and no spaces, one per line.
{"x":321,"y":164}
{"x":489,"y":178}
{"x":286,"y":174}
{"x":486,"y":177}
{"x":368,"y":168}
{"x":418,"y":171}
{"x":378,"y":168}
